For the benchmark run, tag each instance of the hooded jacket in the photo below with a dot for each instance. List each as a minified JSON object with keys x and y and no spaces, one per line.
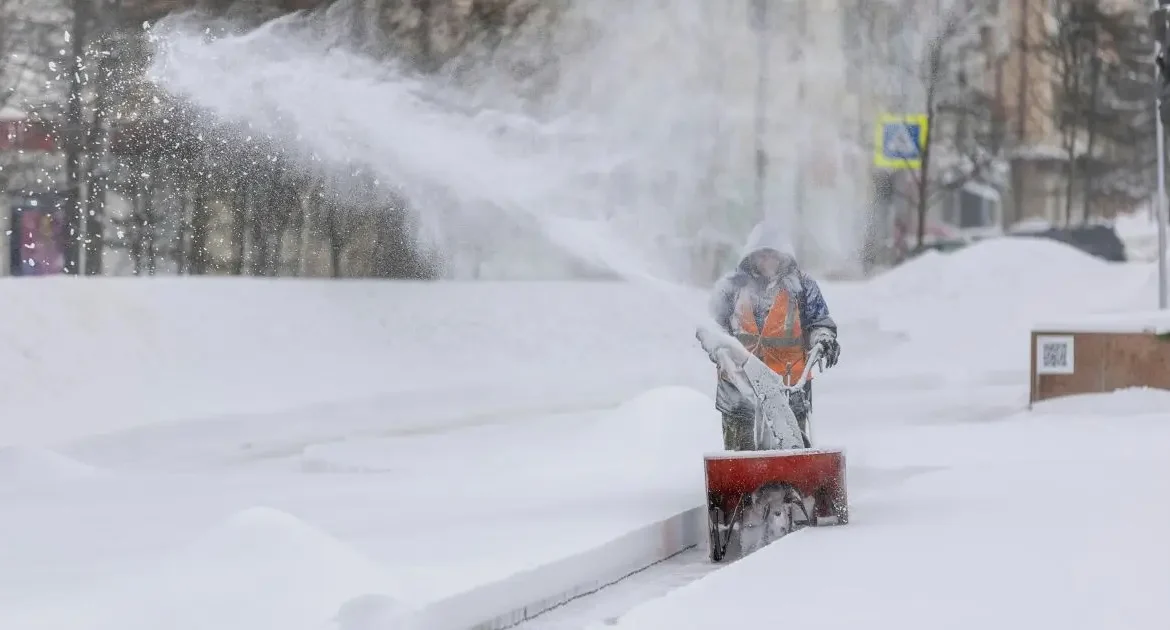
{"x":814,"y":313}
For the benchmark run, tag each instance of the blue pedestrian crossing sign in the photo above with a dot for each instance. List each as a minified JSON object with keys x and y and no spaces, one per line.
{"x":899,"y":141}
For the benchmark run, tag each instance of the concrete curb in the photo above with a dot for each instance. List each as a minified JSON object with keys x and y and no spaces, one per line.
{"x":513,"y":600}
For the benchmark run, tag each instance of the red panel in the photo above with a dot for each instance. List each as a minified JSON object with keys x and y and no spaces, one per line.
{"x":817,"y":473}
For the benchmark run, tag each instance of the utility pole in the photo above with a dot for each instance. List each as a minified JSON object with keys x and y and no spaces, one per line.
{"x":1160,"y":27}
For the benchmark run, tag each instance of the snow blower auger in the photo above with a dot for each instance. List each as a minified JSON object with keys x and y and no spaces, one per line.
{"x":755,"y":497}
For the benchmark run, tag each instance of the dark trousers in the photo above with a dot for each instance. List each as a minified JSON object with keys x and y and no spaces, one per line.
{"x":739,"y":416}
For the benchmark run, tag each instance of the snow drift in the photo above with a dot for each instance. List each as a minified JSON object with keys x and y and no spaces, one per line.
{"x":970,"y":312}
{"x":660,"y":433}
{"x":101,"y":355}
{"x":259,"y":568}
{"x":37,"y":465}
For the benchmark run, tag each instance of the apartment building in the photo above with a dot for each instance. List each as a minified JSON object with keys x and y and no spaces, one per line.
{"x":1040,"y":164}
{"x":1000,"y":86}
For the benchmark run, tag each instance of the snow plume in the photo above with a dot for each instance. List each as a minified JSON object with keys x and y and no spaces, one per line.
{"x":627,"y":142}
{"x":335,"y":111}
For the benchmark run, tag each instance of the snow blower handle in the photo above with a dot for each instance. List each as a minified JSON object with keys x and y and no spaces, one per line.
{"x":814,"y":359}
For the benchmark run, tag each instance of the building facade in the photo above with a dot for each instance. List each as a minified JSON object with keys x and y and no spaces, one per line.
{"x":1010,"y":145}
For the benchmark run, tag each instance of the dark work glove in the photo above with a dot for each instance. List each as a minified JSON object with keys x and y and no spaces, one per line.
{"x":826,"y":341}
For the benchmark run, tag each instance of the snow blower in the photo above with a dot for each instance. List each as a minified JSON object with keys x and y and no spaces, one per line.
{"x":754,"y":497}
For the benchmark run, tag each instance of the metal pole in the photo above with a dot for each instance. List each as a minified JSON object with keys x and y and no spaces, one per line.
{"x":1160,"y":35}
{"x":1161,"y":209}
{"x":760,"y":10}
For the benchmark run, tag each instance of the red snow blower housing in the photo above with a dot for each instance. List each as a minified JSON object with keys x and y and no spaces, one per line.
{"x":757,"y":496}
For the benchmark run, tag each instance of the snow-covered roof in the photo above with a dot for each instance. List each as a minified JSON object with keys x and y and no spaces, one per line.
{"x":1031,"y":225}
{"x":982,"y":189}
{"x":1148,"y":322}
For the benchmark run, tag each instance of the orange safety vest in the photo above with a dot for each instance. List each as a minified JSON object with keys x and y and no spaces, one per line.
{"x":780,"y":345}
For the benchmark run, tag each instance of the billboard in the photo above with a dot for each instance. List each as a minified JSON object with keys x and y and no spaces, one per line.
{"x":36,"y":242}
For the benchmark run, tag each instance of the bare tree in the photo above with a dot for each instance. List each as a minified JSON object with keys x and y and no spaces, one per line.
{"x":947,"y":67}
{"x":26,"y":63}
{"x":165,"y":189}
{"x":25,"y":42}
{"x":1099,"y":54}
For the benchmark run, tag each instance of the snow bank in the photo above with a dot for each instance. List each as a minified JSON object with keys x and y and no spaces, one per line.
{"x":968,"y":314}
{"x":134,"y":353}
{"x":122,"y":353}
{"x":656,"y":427}
{"x":24,"y":465}
{"x":373,"y":612}
{"x":992,"y":267}
{"x":415,"y":521}
{"x":1148,"y":322}
{"x":260,"y":568}
{"x":655,"y":438}
{"x":1123,"y":402}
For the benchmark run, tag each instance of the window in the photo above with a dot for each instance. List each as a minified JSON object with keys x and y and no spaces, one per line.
{"x":972,"y":211}
{"x":978,"y":207}
{"x":986,"y":41}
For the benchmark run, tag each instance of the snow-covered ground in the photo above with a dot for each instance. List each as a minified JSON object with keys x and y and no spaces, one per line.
{"x":1048,"y":519}
{"x":168,"y":441}
{"x":238,"y":454}
{"x":967,"y":509}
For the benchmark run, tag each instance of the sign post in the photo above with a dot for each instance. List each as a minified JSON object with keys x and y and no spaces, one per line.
{"x":898,"y":141}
